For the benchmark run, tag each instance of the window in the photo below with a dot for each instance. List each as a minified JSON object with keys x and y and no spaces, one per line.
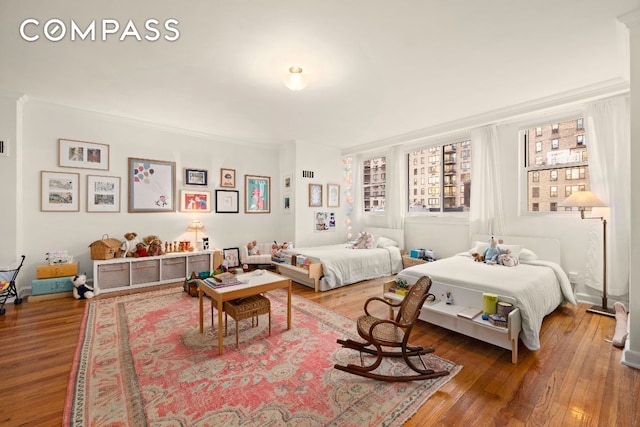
{"x":538,"y":131}
{"x":563,"y":156}
{"x":373,"y":183}
{"x":448,"y":178}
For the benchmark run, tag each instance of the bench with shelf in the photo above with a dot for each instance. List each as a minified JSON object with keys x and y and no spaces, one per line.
{"x":311,"y":273}
{"x":119,"y":274}
{"x":438,"y":312}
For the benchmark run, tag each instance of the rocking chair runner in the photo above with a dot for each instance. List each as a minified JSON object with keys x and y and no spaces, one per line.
{"x":392,"y":333}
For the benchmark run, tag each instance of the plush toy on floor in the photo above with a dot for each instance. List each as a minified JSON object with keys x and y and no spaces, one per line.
{"x":80,"y":288}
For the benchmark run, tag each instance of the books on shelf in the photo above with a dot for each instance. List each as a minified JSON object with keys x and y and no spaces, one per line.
{"x":470,"y":312}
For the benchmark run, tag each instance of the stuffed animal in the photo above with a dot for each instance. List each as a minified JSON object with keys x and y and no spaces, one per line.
{"x":141,"y":251}
{"x":155,"y":247}
{"x":128,"y":247}
{"x":505,"y":258}
{"x":490,"y":254}
{"x":253,"y":248}
{"x":276,"y":249}
{"x":477,"y":257}
{"x":80,"y":288}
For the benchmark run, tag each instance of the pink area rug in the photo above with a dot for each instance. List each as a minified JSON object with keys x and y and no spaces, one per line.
{"x":142,"y":361}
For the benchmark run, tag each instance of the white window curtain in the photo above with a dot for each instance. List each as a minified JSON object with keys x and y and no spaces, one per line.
{"x":357,"y":191}
{"x":395,"y":202}
{"x":608,"y":138}
{"x":486,"y":215}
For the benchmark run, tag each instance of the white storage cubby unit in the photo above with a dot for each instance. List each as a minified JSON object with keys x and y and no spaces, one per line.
{"x":119,"y":274}
{"x":440,"y":313}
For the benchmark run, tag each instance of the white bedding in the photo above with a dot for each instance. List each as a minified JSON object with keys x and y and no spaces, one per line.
{"x":537,"y":286}
{"x":342,"y":265}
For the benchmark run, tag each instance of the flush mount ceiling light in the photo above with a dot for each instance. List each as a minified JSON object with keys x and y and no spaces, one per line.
{"x":294,"y":79}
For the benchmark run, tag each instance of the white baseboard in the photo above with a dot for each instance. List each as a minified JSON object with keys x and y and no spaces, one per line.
{"x":597,"y":300}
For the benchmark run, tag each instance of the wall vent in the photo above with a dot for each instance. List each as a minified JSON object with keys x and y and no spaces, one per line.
{"x":4,"y":148}
{"x":307,"y":174}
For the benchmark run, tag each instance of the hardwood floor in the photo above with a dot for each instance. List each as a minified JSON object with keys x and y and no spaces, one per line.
{"x":576,"y":379}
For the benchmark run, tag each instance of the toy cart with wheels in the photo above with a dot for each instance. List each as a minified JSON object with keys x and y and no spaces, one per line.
{"x":8,"y":285}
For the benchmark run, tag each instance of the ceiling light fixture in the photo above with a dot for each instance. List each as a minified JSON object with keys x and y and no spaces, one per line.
{"x":294,"y":79}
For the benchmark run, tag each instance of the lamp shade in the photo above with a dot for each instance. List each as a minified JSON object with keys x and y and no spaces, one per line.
{"x":582,"y":199}
{"x":294,"y":79}
{"x":195,"y":225}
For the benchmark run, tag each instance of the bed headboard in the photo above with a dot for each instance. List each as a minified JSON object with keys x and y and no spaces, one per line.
{"x":389,"y":233}
{"x":547,"y":249}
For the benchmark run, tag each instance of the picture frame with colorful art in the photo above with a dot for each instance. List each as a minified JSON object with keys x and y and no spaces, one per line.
{"x":315,"y":195}
{"x":196,"y":177}
{"x":59,"y":191}
{"x":231,"y":256}
{"x":152,"y":185}
{"x":227,"y":201}
{"x":227,"y":178}
{"x":103,"y":193}
{"x":257,"y":194}
{"x":195,"y":201}
{"x":82,"y":154}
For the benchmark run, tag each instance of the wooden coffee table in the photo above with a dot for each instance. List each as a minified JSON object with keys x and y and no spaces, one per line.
{"x":257,"y":284}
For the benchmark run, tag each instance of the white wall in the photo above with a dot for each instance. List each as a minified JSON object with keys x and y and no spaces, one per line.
{"x":74,"y":231}
{"x":10,"y":114}
{"x":326,"y":163}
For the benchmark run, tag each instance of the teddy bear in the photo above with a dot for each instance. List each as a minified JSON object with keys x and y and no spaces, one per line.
{"x":155,"y":247}
{"x":253,"y":248}
{"x":128,"y":247}
{"x":81,"y":290}
{"x":141,"y":250}
{"x":490,"y":254}
{"x":477,"y":257}
{"x":276,"y":249}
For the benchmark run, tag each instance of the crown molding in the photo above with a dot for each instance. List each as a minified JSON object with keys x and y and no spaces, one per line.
{"x":566,"y":99}
{"x":631,"y":19}
{"x":249,"y":142}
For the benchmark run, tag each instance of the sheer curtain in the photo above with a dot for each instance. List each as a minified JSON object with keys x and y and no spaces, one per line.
{"x":608,"y":138}
{"x":396,"y":202}
{"x":486,"y":214}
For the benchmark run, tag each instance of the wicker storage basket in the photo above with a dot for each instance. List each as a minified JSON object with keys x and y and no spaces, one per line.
{"x":407,"y":261}
{"x":105,"y":248}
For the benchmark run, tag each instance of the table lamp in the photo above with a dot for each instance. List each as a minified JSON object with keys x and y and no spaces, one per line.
{"x":196,"y":226}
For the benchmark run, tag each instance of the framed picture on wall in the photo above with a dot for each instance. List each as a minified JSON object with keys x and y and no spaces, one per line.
{"x":103,"y":193}
{"x":228,"y":178}
{"x":152,"y":185}
{"x":324,"y":221}
{"x":287,"y":202}
{"x":196,"y":177}
{"x":59,"y":191}
{"x":333,"y":195}
{"x":257,"y":194}
{"x":82,"y":154}
{"x":195,"y":201}
{"x":315,"y":195}
{"x":227,"y":201}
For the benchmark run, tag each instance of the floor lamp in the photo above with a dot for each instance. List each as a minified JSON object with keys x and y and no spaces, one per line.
{"x":582,"y":200}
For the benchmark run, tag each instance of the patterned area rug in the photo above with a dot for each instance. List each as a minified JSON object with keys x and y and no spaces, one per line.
{"x":142,"y":361}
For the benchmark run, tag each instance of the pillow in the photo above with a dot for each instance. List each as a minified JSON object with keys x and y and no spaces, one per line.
{"x":479,"y":247}
{"x":384,"y":242}
{"x":527,"y":255}
{"x":515,"y":249}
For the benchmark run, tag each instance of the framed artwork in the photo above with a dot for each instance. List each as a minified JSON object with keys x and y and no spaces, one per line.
{"x":231,"y":256}
{"x":324,"y":221}
{"x":227,"y":201}
{"x":81,"y":154}
{"x":315,"y":195}
{"x":103,"y":193}
{"x":195,"y":201}
{"x":287,"y":183}
{"x":152,"y":185}
{"x":257,"y":194}
{"x":59,"y":191}
{"x":333,"y":195}
{"x":196,"y":177}
{"x":286,"y":207}
{"x":227,"y":178}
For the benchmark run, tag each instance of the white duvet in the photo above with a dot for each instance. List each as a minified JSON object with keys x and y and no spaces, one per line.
{"x":342,"y":265}
{"x":538,"y":287}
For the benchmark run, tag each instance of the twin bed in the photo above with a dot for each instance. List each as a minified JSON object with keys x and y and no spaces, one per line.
{"x":536,"y":286}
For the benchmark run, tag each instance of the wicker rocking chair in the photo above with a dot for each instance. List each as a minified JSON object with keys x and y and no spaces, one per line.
{"x":392,"y":333}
